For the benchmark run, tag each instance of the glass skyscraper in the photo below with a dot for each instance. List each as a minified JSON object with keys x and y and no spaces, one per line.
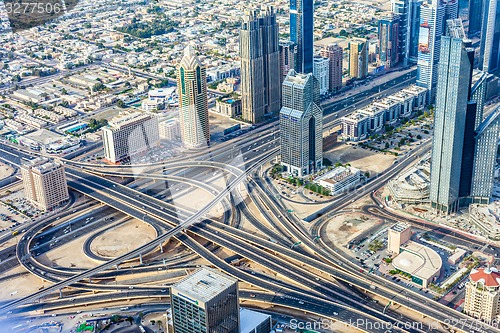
{"x":301,"y":125}
{"x":301,"y":33}
{"x":475,"y":17}
{"x":388,"y":37}
{"x":454,"y":73}
{"x":260,"y":66}
{"x":429,"y":44}
{"x":409,"y":22}
{"x":489,"y":59}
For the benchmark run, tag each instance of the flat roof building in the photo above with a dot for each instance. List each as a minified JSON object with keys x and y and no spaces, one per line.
{"x":44,"y":183}
{"x":398,"y":234}
{"x":130,"y":134}
{"x":355,"y":126}
{"x":254,"y":322}
{"x":339,"y":179}
{"x":206,"y":301}
{"x":421,"y":262}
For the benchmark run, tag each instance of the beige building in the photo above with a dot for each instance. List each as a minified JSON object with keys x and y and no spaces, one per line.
{"x":169,"y":130}
{"x":398,"y":234}
{"x":481,"y":294}
{"x":44,"y":183}
{"x":230,"y":107}
{"x":129,"y":134}
{"x":193,"y":104}
{"x":358,"y":58}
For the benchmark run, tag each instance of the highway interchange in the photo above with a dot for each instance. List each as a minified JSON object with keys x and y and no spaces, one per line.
{"x":313,"y":277}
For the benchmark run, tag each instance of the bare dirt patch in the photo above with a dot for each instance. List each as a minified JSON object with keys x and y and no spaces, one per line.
{"x":122,"y":239}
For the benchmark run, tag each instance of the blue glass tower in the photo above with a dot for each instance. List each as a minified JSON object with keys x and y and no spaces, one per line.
{"x":301,"y":33}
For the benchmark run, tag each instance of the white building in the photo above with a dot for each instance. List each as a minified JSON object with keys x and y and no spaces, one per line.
{"x":169,"y":130}
{"x":486,"y":218}
{"x":321,"y":72}
{"x":130,"y":134}
{"x":339,"y":180}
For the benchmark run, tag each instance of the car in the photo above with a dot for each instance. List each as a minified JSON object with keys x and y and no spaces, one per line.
{"x":335,"y":313}
{"x":252,"y":295}
{"x":131,"y":287}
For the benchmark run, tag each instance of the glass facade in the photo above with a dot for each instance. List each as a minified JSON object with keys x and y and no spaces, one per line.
{"x":302,"y":33}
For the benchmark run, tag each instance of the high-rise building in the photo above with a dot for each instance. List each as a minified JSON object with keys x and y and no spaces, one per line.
{"x":485,"y":157}
{"x":482,"y":294}
{"x":260,"y":66}
{"x":450,"y":117}
{"x":475,"y":17}
{"x":130,"y":134}
{"x":193,"y":104}
{"x":301,"y":125}
{"x":388,"y":39}
{"x":450,"y":9}
{"x":358,"y":58}
{"x":288,"y":53}
{"x":44,"y":183}
{"x":302,"y":33}
{"x":429,"y":45}
{"x":335,"y":53}
{"x":322,"y":73}
{"x":206,"y":301}
{"x":489,"y":59}
{"x":409,"y":24}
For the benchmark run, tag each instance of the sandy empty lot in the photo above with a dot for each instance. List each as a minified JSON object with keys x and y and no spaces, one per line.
{"x":362,"y":159}
{"x":5,"y":171}
{"x":123,"y":239}
{"x":342,"y":228}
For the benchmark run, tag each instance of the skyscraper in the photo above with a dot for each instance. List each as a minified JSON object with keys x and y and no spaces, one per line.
{"x":193,"y":106}
{"x":358,"y":58}
{"x":288,"y":53}
{"x":489,"y":59}
{"x":454,"y":73}
{"x":409,"y":23}
{"x":302,"y":33}
{"x":450,"y":9}
{"x":336,"y":55}
{"x":388,"y":38}
{"x":475,"y":17}
{"x":260,"y":66}
{"x":322,"y":73}
{"x":429,"y":44}
{"x":44,"y":183}
{"x":301,"y":125}
{"x":206,"y":301}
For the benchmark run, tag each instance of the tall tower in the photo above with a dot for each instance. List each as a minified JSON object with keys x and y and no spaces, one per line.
{"x":489,"y":59}
{"x":388,"y":38}
{"x":193,"y":106}
{"x":336,"y":55}
{"x":358,"y":58}
{"x":206,"y":301}
{"x":429,"y":45}
{"x":454,"y":74}
{"x":260,"y":66}
{"x":409,"y":23}
{"x":302,"y":33}
{"x":475,"y":17}
{"x":301,"y":125}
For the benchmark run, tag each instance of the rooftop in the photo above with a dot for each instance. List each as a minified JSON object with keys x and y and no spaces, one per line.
{"x":418,"y":260}
{"x":204,"y":284}
{"x":250,"y":319}
{"x":490,"y":277}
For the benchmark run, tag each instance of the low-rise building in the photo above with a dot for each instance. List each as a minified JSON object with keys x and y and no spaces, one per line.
{"x":420,"y":93}
{"x":339,"y":179}
{"x":376,"y":115}
{"x":229,"y":106}
{"x":397,"y":235}
{"x":422,"y":263}
{"x":392,"y":108}
{"x":169,"y":130}
{"x":406,"y":102}
{"x":412,"y":186}
{"x":355,"y":126}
